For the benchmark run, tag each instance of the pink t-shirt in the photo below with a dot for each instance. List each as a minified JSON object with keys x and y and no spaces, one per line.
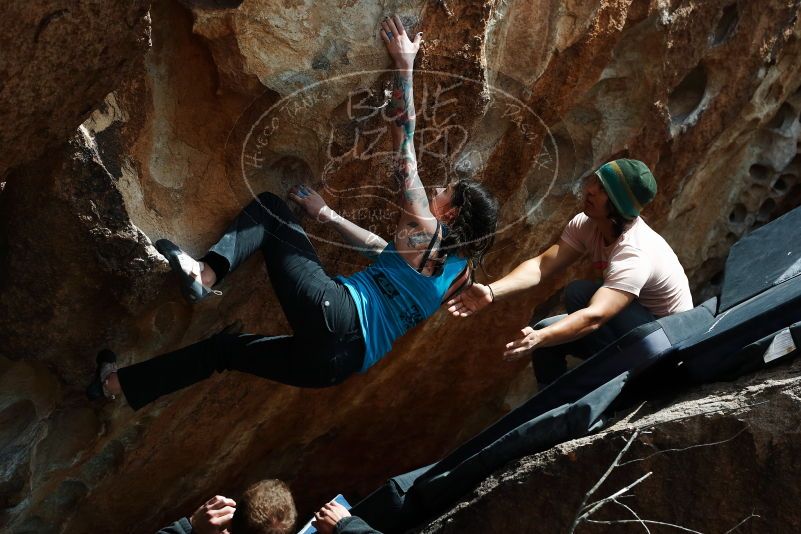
{"x":640,"y":262}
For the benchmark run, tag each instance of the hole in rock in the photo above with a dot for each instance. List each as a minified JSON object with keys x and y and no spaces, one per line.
{"x":291,"y":171}
{"x":783,"y":182}
{"x":783,"y":119}
{"x":716,"y":279}
{"x":738,"y":214}
{"x":687,"y":96}
{"x":759,"y":173}
{"x":213,"y":4}
{"x":765,"y":210}
{"x":726,"y":24}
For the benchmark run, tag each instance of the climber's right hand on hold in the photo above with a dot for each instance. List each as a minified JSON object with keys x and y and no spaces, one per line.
{"x":402,"y":49}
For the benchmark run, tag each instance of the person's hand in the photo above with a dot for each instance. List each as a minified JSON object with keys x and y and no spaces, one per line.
{"x":311,"y":202}
{"x":213,"y":517}
{"x":328,"y":516}
{"x":400,"y":47}
{"x":527,"y":341}
{"x":470,"y":301}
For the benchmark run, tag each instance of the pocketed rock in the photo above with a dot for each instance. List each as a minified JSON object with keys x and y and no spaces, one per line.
{"x":527,"y":97}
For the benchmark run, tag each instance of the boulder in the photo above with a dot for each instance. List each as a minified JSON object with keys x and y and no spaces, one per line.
{"x":59,"y":60}
{"x":234,"y":98}
{"x":720,"y":458}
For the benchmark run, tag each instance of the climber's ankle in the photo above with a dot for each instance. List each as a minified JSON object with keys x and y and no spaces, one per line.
{"x":112,"y":384}
{"x":207,"y":275}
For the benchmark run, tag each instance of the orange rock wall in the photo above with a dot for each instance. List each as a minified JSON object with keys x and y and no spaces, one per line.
{"x":532,"y":95}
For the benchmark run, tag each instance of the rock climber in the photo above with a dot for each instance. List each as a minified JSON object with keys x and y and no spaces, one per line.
{"x":344,"y":324}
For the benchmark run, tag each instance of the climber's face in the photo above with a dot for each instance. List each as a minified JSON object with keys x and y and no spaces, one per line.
{"x":441,"y":203}
{"x":596,"y":201}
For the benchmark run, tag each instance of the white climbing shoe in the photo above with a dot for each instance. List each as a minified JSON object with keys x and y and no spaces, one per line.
{"x":188,"y":270}
{"x":106,"y":362}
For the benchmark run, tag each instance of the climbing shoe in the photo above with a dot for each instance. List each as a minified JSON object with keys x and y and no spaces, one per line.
{"x":188,"y":270}
{"x":106,"y":364}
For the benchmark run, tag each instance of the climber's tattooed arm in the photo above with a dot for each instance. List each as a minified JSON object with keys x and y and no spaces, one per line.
{"x":402,"y":116}
{"x":401,"y":105}
{"x":416,"y":225}
{"x":407,"y":179}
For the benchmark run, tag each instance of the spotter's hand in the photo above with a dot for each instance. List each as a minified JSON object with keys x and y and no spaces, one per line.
{"x":527,"y":341}
{"x":470,"y":301}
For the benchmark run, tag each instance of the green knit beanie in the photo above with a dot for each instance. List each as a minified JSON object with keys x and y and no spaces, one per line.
{"x":629,"y":184}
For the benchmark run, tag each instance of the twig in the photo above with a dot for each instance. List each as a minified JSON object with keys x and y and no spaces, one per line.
{"x":632,"y":512}
{"x":722,"y":410}
{"x":686,"y":448}
{"x":631,"y":415}
{"x":586,"y":510}
{"x":738,"y":525}
{"x":598,"y":484}
{"x":592,"y":508}
{"x":649,"y":521}
{"x":611,"y":467}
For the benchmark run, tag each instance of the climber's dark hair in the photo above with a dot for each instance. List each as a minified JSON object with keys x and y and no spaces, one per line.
{"x":472,"y":232}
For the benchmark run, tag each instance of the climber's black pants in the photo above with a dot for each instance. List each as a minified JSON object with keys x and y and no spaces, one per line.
{"x":327,"y":346}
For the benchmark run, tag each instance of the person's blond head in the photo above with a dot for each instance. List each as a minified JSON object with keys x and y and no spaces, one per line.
{"x":265,"y":507}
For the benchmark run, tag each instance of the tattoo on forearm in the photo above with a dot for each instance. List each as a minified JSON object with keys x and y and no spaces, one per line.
{"x":401,"y":105}
{"x":401,"y":112}
{"x":409,"y":182}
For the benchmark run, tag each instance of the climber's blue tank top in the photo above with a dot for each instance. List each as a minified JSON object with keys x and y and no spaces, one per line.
{"x":392,"y":297}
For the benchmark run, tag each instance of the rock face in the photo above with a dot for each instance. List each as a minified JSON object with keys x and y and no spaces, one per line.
{"x":234,"y":98}
{"x":59,"y":59}
{"x":719,"y":456}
